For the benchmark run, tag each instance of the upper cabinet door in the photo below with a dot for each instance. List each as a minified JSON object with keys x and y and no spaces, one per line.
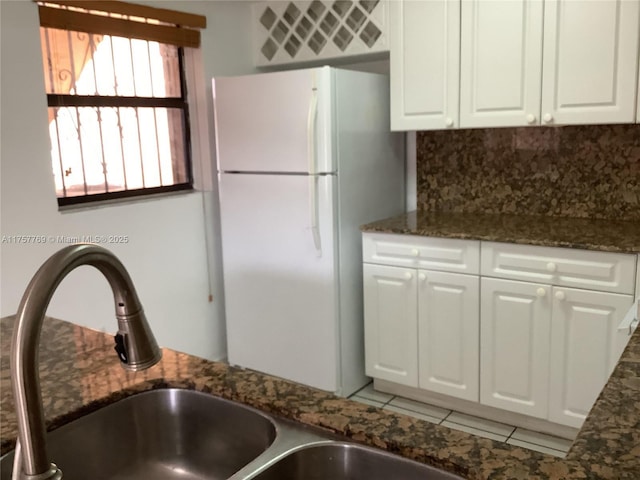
{"x":424,"y":64}
{"x":500,"y":63}
{"x":590,"y":61}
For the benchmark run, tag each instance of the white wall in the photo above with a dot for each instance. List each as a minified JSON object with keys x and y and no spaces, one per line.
{"x":173,"y":250}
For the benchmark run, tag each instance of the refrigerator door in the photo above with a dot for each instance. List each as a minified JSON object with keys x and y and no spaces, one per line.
{"x":274,"y":122}
{"x":280,"y":279}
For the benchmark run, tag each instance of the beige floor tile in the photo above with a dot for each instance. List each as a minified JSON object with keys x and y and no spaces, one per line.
{"x":368,"y":401}
{"x":474,"y":431}
{"x":411,"y":413}
{"x":537,"y":448}
{"x":542,"y":439}
{"x":371,"y":394}
{"x":497,"y":428}
{"x":420,"y":407}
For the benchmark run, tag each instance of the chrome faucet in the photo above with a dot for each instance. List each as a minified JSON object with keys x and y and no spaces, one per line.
{"x":135,"y":345}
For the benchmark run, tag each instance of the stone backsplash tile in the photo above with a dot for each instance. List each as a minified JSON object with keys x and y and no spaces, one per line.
{"x":577,"y":171}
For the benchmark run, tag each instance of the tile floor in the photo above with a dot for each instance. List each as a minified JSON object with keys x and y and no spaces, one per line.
{"x":478,"y":426}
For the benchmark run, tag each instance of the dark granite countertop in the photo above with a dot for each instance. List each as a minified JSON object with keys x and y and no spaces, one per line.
{"x":589,"y":234}
{"x":79,"y":373}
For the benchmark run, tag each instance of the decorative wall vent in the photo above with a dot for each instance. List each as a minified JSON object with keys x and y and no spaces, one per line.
{"x":304,"y":30}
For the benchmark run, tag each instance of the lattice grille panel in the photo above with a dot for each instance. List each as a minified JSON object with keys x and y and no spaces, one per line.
{"x":294,"y":31}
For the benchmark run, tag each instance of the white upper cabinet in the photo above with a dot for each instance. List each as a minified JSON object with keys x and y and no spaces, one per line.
{"x":590,"y":61}
{"x":424,"y":64}
{"x":500,"y":62}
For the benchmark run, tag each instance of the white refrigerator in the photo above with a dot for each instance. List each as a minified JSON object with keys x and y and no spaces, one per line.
{"x":304,"y":158}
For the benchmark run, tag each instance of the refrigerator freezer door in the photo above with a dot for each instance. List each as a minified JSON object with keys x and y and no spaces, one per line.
{"x":280,"y":285}
{"x":274,"y":122}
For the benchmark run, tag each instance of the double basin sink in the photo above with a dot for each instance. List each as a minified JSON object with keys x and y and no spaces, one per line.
{"x":182,"y":434}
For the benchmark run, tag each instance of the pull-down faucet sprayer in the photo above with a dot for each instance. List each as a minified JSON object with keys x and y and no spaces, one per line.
{"x":135,"y":345}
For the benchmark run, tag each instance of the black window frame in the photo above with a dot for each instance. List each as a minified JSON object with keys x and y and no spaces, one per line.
{"x":70,"y":100}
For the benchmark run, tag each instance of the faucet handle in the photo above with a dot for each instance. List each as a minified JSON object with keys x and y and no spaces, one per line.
{"x":120,"y":348}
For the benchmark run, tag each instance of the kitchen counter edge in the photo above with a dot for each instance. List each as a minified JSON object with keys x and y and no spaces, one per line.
{"x":80,"y":374}
{"x":581,"y":233}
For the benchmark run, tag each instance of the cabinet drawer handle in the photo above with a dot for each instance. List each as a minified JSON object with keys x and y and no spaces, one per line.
{"x":415,"y":252}
{"x":551,"y":267}
{"x":541,"y":292}
{"x":408,"y":275}
{"x":560,"y":295}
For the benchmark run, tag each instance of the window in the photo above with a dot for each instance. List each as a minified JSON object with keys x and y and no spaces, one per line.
{"x":118,"y":111}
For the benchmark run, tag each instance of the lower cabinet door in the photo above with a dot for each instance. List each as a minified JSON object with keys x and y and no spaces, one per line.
{"x":583,"y":350}
{"x":448,"y":333}
{"x":390,"y":323}
{"x":514,"y":344}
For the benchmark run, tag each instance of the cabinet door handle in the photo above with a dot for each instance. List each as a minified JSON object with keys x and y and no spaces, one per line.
{"x":551,"y":267}
{"x":408,"y":275}
{"x":541,"y":292}
{"x":560,"y":295}
{"x":415,"y":252}
{"x":449,"y":122}
{"x":531,"y":119}
{"x":422,"y":277}
{"x":548,"y":118}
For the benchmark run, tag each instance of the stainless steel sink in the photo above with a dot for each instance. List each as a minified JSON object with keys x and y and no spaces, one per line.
{"x":161,"y":435}
{"x":347,"y":461}
{"x":181,"y":434}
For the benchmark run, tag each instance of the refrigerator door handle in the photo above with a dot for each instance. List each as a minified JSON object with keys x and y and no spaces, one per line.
{"x":311,"y":131}
{"x":313,"y":179}
{"x":313,"y":204}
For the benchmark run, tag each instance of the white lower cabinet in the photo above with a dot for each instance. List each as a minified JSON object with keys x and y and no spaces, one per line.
{"x":514,"y":366}
{"x":421,"y":329}
{"x":547,"y":351}
{"x":391,"y":323}
{"x":448,"y":331}
{"x":512,"y":332}
{"x":584,"y":336}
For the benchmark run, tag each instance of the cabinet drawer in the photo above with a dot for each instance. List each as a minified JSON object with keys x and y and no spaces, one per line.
{"x":604,"y":271}
{"x":442,"y":254}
